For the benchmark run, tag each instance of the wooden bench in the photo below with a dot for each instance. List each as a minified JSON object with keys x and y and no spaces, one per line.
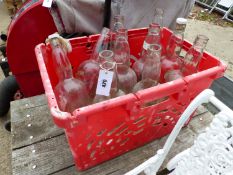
{"x":39,"y":147}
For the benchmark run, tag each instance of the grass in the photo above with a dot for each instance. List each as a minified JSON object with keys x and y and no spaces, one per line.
{"x":202,"y":14}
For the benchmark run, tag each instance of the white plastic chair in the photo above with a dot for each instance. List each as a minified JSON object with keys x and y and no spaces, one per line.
{"x":212,"y":152}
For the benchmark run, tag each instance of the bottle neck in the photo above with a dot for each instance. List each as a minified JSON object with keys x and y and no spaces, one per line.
{"x":65,"y":75}
{"x":105,"y":55}
{"x":121,"y":47}
{"x":122,"y":33}
{"x":176,"y":41}
{"x":180,"y":28}
{"x":118,"y":22}
{"x":102,"y":43}
{"x":61,"y":61}
{"x":175,"y":44}
{"x":158,"y":18}
{"x":198,"y":48}
{"x":154,"y":29}
{"x":199,"y":45}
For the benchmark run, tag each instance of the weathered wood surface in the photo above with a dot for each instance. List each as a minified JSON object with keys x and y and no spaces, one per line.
{"x":31,"y":122}
{"x":42,"y":157}
{"x":52,"y":155}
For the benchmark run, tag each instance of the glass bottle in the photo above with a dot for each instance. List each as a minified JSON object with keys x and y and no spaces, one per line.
{"x":194,"y":55}
{"x":89,"y":69}
{"x":154,"y":31}
{"x":153,"y":37}
{"x":171,"y":60}
{"x":70,"y":93}
{"x":126,"y":76}
{"x":151,"y":69}
{"x":109,"y":66}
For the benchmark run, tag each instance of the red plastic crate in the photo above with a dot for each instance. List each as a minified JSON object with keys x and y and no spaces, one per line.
{"x":102,"y":131}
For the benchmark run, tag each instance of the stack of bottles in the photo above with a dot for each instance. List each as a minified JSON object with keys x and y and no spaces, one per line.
{"x":110,"y":73}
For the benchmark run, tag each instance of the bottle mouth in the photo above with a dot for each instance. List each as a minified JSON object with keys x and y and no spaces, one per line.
{"x":159,"y":11}
{"x":201,"y":40}
{"x":203,"y":37}
{"x":154,"y":26}
{"x":155,"y":47}
{"x":108,"y":65}
{"x":106,"y":54}
{"x":154,"y":29}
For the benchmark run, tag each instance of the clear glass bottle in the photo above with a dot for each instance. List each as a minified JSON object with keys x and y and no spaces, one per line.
{"x":151,"y":69}
{"x":126,"y":76}
{"x":153,"y":37}
{"x":109,"y":66}
{"x":154,"y":31}
{"x":194,"y":55}
{"x":70,"y":93}
{"x":171,"y":59}
{"x":89,"y":69}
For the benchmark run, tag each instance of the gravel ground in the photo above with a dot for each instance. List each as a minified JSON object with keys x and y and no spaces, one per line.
{"x":220,"y":45}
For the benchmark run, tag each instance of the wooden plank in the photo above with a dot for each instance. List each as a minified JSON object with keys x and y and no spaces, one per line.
{"x":42,"y":158}
{"x":30,"y":125}
{"x":27,"y":103}
{"x":201,"y":122}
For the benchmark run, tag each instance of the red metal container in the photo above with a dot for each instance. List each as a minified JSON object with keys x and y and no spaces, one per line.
{"x":102,"y":131}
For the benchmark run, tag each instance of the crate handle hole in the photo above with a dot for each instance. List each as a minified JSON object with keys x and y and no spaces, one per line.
{"x":155,"y":102}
